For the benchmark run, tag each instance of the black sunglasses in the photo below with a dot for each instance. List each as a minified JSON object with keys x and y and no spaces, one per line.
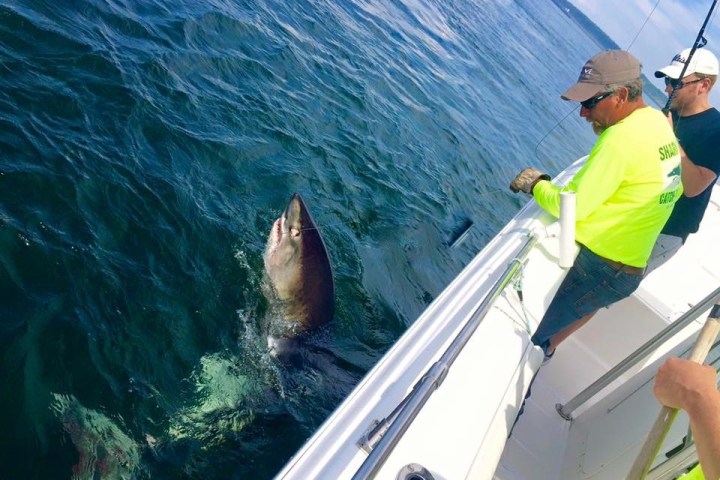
{"x":591,"y":102}
{"x":677,"y":84}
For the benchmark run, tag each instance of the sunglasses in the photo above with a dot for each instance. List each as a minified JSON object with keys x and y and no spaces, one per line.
{"x":677,"y":84}
{"x":591,"y":102}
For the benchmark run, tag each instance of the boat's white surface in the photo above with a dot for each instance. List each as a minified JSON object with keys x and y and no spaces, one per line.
{"x":461,"y":431}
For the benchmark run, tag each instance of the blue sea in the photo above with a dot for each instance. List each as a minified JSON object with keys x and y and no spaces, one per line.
{"x":147,"y":146}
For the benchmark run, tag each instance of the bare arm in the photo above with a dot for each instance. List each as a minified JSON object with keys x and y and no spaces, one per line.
{"x":693,"y":387}
{"x":695,"y":179}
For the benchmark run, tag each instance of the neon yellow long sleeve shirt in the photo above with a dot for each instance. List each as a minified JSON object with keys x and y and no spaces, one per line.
{"x":694,"y":474}
{"x":626,"y":190}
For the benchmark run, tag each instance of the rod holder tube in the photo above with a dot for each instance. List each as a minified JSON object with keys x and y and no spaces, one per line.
{"x":567,"y":229}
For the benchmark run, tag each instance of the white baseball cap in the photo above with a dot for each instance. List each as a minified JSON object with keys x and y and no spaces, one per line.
{"x":703,"y":61}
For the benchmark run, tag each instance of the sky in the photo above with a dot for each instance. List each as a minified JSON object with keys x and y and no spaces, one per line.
{"x":672,"y":27}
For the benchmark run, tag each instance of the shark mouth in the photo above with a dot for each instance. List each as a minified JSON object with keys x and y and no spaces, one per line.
{"x":276,"y":235}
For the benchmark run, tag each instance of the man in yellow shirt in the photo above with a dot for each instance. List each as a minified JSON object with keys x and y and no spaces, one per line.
{"x":625,"y":193}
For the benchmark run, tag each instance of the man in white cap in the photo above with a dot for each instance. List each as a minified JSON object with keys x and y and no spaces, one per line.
{"x":624,"y":192}
{"x":697,"y":126}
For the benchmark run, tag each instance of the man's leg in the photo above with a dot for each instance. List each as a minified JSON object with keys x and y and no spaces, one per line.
{"x":583,"y":277}
{"x":590,"y":284}
{"x":556,"y":339}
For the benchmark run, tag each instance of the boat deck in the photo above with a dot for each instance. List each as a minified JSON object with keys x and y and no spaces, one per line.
{"x":604,"y":435}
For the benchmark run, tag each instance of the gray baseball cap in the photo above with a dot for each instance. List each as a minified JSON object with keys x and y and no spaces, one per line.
{"x":605,"y":68}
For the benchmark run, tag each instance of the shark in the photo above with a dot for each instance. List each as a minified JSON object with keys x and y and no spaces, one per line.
{"x":300,"y":274}
{"x":104,"y":450}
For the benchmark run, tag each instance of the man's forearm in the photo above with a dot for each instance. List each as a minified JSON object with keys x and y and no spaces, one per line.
{"x":695,"y":179}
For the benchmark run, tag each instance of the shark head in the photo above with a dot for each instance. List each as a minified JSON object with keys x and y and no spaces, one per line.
{"x":299,"y":270}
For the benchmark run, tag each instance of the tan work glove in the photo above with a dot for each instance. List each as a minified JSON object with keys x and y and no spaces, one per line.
{"x":526,"y":180}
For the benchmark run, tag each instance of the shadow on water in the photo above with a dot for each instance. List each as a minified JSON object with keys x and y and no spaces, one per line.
{"x":235,"y":399}
{"x":216,"y":426}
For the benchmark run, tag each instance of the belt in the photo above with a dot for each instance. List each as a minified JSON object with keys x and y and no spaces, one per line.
{"x":629,"y":269}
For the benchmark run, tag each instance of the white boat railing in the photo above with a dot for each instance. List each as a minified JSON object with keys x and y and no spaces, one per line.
{"x":634,"y":358}
{"x":384,"y":435}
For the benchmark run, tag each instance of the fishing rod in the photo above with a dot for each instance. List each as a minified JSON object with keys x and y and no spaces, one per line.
{"x":700,"y":42}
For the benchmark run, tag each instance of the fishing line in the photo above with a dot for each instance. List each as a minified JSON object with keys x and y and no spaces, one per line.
{"x":323,"y":225}
{"x":642,"y":27}
{"x":557,"y":124}
{"x":461,"y":233}
{"x":458,"y":234}
{"x":647,"y":19}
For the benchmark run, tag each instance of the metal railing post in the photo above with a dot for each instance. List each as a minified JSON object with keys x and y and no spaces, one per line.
{"x":634,"y":358}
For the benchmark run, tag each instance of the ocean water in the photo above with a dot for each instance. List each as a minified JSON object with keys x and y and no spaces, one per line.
{"x":146,"y":148}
